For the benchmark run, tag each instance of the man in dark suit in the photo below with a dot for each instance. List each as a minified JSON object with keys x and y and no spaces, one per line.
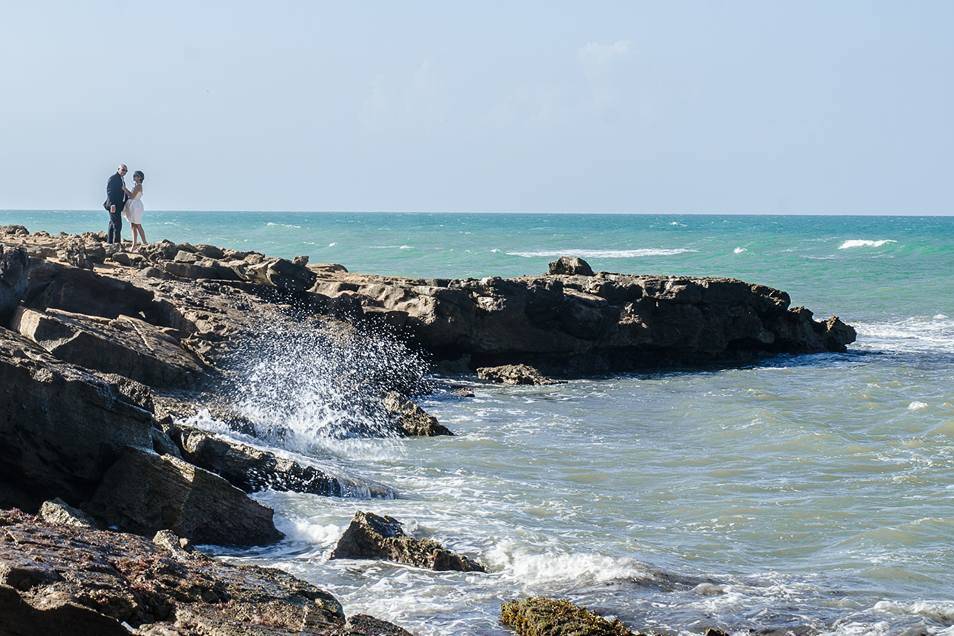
{"x":116,"y":195}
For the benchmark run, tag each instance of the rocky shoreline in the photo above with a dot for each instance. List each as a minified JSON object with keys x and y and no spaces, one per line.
{"x":105,"y":355}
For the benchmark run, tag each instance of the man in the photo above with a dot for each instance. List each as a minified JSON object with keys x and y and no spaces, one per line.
{"x":116,"y":195}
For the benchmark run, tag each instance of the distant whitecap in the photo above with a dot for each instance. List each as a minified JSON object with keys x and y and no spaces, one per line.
{"x":852,"y":243}
{"x":738,"y":250}
{"x":637,"y":253}
{"x":917,"y":406}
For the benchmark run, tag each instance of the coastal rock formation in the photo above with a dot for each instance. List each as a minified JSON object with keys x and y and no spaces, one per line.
{"x":567,"y":324}
{"x":513,"y":374}
{"x":59,"y":513}
{"x":371,"y":536}
{"x":143,"y":492}
{"x":411,"y":420}
{"x":570,"y":265}
{"x":13,"y":280}
{"x":539,"y":616}
{"x":253,"y":469}
{"x":69,"y":580}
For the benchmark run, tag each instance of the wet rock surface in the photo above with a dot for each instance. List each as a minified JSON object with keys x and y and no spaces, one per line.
{"x":68,"y":580}
{"x":513,"y":374}
{"x":539,"y":616}
{"x":371,"y":536}
{"x":410,"y":419}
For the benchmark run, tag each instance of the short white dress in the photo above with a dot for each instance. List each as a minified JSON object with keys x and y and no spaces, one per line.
{"x":133,"y":209}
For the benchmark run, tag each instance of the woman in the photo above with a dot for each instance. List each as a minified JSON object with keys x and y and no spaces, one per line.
{"x":133,"y":210}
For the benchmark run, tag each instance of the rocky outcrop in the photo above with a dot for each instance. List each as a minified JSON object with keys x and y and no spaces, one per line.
{"x":61,"y":426}
{"x":59,"y":513}
{"x":69,"y":580}
{"x":371,"y":536}
{"x":567,"y":324}
{"x":124,"y":345}
{"x":570,"y":265}
{"x":539,"y":616}
{"x":410,"y":419}
{"x":143,"y":492}
{"x":253,"y":469}
{"x":13,"y":279}
{"x":513,"y":374}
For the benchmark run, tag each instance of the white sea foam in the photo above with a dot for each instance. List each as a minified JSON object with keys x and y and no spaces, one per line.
{"x":917,"y":406}
{"x":915,"y":334}
{"x":940,"y":611}
{"x":288,"y":225}
{"x":332,"y":244}
{"x":738,"y":250}
{"x":635,"y":253}
{"x":852,"y":243}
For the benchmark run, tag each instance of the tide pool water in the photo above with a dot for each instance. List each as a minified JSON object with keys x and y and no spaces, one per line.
{"x":812,"y":493}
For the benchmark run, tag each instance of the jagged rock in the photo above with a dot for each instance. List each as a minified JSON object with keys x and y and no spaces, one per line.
{"x":364,"y":625}
{"x":127,"y":346}
{"x":173,"y":543}
{"x":112,"y":249}
{"x":539,"y":616}
{"x":410,"y":419}
{"x":252,"y":469}
{"x":128,"y":259}
{"x":209,"y":251}
{"x":143,"y":493}
{"x":571,"y":265}
{"x":283,"y":274}
{"x":182,"y":256}
{"x":513,"y":374}
{"x":74,"y":253}
{"x":301,"y":261}
{"x":59,"y":513}
{"x":14,"y":263}
{"x":14,"y":230}
{"x":371,"y":536}
{"x":68,"y":580}
{"x":61,"y":426}
{"x":84,"y":292}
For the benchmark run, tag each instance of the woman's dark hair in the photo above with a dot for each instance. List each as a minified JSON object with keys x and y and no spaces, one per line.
{"x":138,"y":173}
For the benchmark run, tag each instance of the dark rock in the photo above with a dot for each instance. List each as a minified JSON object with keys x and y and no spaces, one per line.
{"x":74,"y":253}
{"x":209,"y":251}
{"x":67,"y":580}
{"x":513,"y":374}
{"x":128,"y":346}
{"x":283,"y":274}
{"x":143,"y":493}
{"x":410,"y":419}
{"x":84,"y":292}
{"x":61,"y":427}
{"x":172,"y":543}
{"x":301,"y":261}
{"x":539,"y":616}
{"x":252,"y":469}
{"x":128,"y":259}
{"x":59,"y":513}
{"x":364,"y":625}
{"x":371,"y":536}
{"x":571,"y":265}
{"x":14,"y":263}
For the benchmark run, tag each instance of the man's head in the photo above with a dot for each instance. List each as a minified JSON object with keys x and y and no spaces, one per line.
{"x":122,"y":170}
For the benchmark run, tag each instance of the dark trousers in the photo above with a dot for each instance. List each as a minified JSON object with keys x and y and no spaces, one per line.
{"x":115,"y":232}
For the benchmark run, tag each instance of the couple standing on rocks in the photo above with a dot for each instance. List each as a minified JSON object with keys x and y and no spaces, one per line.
{"x":121,"y":202}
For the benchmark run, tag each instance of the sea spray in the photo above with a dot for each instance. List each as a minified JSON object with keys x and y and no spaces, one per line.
{"x":308,"y":388}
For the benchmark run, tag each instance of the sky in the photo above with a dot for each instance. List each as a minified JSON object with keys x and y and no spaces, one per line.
{"x":741,"y":106}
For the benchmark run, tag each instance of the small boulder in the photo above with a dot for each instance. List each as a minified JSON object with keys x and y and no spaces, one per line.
{"x":209,"y":251}
{"x":410,"y":419}
{"x":371,"y":536}
{"x":74,"y":253}
{"x":539,"y":616}
{"x":59,"y":513}
{"x":572,"y":266}
{"x":172,"y":543}
{"x":301,"y":261}
{"x":283,"y":274}
{"x":513,"y":374}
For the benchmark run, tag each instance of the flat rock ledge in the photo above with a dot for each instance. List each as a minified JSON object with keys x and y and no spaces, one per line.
{"x":63,"y":579}
{"x":371,"y":536}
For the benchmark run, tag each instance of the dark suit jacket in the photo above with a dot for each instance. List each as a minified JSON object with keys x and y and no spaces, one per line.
{"x":115,"y":193}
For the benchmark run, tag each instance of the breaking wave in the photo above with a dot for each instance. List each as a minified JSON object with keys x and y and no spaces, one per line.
{"x":852,"y":243}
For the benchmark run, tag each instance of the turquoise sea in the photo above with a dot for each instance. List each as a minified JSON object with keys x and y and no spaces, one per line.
{"x":812,"y":493}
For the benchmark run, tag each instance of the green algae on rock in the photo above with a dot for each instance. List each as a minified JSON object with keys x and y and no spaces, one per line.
{"x":540,"y":616}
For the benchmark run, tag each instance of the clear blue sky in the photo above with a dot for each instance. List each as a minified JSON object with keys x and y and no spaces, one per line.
{"x":737,"y":106}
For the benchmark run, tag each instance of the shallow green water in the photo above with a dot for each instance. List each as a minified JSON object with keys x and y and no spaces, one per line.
{"x":813,"y":491}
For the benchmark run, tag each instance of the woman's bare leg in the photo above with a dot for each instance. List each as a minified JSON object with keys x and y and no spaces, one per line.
{"x":135,"y":237}
{"x":142,"y":234}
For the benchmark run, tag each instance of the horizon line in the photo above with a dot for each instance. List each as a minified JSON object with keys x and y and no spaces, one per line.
{"x":512,"y":212}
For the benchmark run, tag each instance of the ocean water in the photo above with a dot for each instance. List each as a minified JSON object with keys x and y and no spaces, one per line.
{"x":812,"y":493}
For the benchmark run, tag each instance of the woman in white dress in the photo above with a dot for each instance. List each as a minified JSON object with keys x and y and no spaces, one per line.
{"x":134,"y":209}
